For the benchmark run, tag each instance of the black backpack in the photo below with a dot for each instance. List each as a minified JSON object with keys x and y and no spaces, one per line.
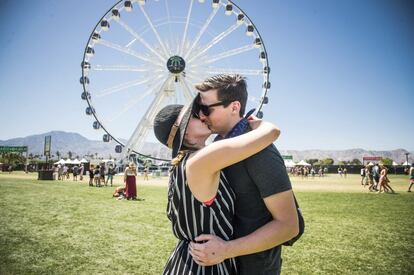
{"x":301,"y":222}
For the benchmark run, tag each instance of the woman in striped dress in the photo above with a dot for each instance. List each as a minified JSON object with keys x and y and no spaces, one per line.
{"x":200,"y":200}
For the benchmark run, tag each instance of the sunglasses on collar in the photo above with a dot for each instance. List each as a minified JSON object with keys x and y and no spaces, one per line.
{"x":205,"y":109}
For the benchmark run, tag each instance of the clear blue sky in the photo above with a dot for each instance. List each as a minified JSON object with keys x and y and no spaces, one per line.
{"x":342,"y":71}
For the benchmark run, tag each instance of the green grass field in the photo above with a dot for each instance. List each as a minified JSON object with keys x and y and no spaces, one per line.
{"x":51,"y":227}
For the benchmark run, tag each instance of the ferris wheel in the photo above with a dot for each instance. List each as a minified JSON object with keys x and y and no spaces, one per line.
{"x":143,"y":55}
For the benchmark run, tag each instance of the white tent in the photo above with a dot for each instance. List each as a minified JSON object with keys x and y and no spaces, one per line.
{"x":370,"y":164}
{"x":394,"y":163}
{"x":303,"y":163}
{"x":68,"y":161}
{"x":61,"y":161}
{"x":84,"y":160}
{"x":76,"y":161}
{"x":406,"y":163}
{"x":289,"y":163}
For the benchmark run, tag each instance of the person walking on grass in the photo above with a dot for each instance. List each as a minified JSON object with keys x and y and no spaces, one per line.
{"x":384,"y":181}
{"x":146,"y":169}
{"x":102,"y":174}
{"x":411,"y":175}
{"x":81,"y":170}
{"x":97,"y":176}
{"x":110,"y":175}
{"x":75,"y":172}
{"x":91,"y":175}
{"x":362,"y":173}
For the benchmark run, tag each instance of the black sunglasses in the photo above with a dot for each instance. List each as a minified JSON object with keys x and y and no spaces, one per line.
{"x":205,"y":109}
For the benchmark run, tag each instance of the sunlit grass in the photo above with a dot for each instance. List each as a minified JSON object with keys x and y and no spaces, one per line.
{"x":68,"y":227}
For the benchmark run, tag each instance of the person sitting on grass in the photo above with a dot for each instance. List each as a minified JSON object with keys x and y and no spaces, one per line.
{"x":119,"y":193}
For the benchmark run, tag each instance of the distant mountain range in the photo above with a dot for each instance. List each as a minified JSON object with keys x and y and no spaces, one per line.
{"x":81,"y":146}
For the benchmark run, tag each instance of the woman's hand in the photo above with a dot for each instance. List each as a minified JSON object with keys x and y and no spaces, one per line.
{"x":254,"y":121}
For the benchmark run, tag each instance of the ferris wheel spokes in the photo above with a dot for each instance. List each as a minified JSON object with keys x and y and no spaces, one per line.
{"x":133,"y":102}
{"x":200,"y":33}
{"x":125,"y":50}
{"x":213,"y":42}
{"x":214,"y":70}
{"x":186,"y":28}
{"x":167,"y":8}
{"x":225,"y":54}
{"x":188,"y":93}
{"x":194,"y":76}
{"x":128,"y":68}
{"x":140,"y":39}
{"x":123,"y":86}
{"x":135,"y":142}
{"x":155,"y":31}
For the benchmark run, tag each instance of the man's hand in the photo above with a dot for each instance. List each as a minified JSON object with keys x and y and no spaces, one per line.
{"x":212,"y":252}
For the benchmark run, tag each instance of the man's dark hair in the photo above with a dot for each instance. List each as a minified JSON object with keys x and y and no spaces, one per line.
{"x":230,"y":87}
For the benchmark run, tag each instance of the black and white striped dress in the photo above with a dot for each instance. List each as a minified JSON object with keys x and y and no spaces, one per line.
{"x":191,"y":218}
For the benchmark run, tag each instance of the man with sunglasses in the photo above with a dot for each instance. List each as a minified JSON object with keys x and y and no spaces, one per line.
{"x":265,"y":212}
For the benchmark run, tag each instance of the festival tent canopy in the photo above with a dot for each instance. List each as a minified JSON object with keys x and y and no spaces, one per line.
{"x":303,"y":163}
{"x":68,"y":161}
{"x":406,"y":163}
{"x":289,"y":163}
{"x":370,"y":164}
{"x":394,"y":163}
{"x":61,"y":161}
{"x":76,"y":161}
{"x":84,"y":161}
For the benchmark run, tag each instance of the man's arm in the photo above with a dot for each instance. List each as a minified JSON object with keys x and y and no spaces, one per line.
{"x":282,"y":228}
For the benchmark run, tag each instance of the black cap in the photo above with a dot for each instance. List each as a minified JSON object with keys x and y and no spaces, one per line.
{"x":164,"y":122}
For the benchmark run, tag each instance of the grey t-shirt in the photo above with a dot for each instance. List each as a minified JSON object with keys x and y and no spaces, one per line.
{"x":253,"y":179}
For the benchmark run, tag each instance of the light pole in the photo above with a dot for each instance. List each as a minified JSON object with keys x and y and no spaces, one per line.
{"x":406,"y":157}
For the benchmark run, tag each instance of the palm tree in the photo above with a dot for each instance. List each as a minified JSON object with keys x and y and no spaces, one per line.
{"x":70,"y":154}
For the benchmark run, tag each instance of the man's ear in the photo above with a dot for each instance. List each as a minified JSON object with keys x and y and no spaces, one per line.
{"x":236,"y":107}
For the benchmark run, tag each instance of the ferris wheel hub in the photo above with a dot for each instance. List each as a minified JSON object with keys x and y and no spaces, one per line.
{"x":176,"y":64}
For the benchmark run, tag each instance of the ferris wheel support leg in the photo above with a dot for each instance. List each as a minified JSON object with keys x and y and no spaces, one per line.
{"x":139,"y":134}
{"x":189,"y":95}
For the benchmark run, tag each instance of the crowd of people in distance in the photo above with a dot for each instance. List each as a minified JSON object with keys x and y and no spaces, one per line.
{"x":103,"y":175}
{"x":62,"y":172}
{"x":305,"y":171}
{"x":376,"y":178}
{"x":342,"y":172}
{"x":97,"y":175}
